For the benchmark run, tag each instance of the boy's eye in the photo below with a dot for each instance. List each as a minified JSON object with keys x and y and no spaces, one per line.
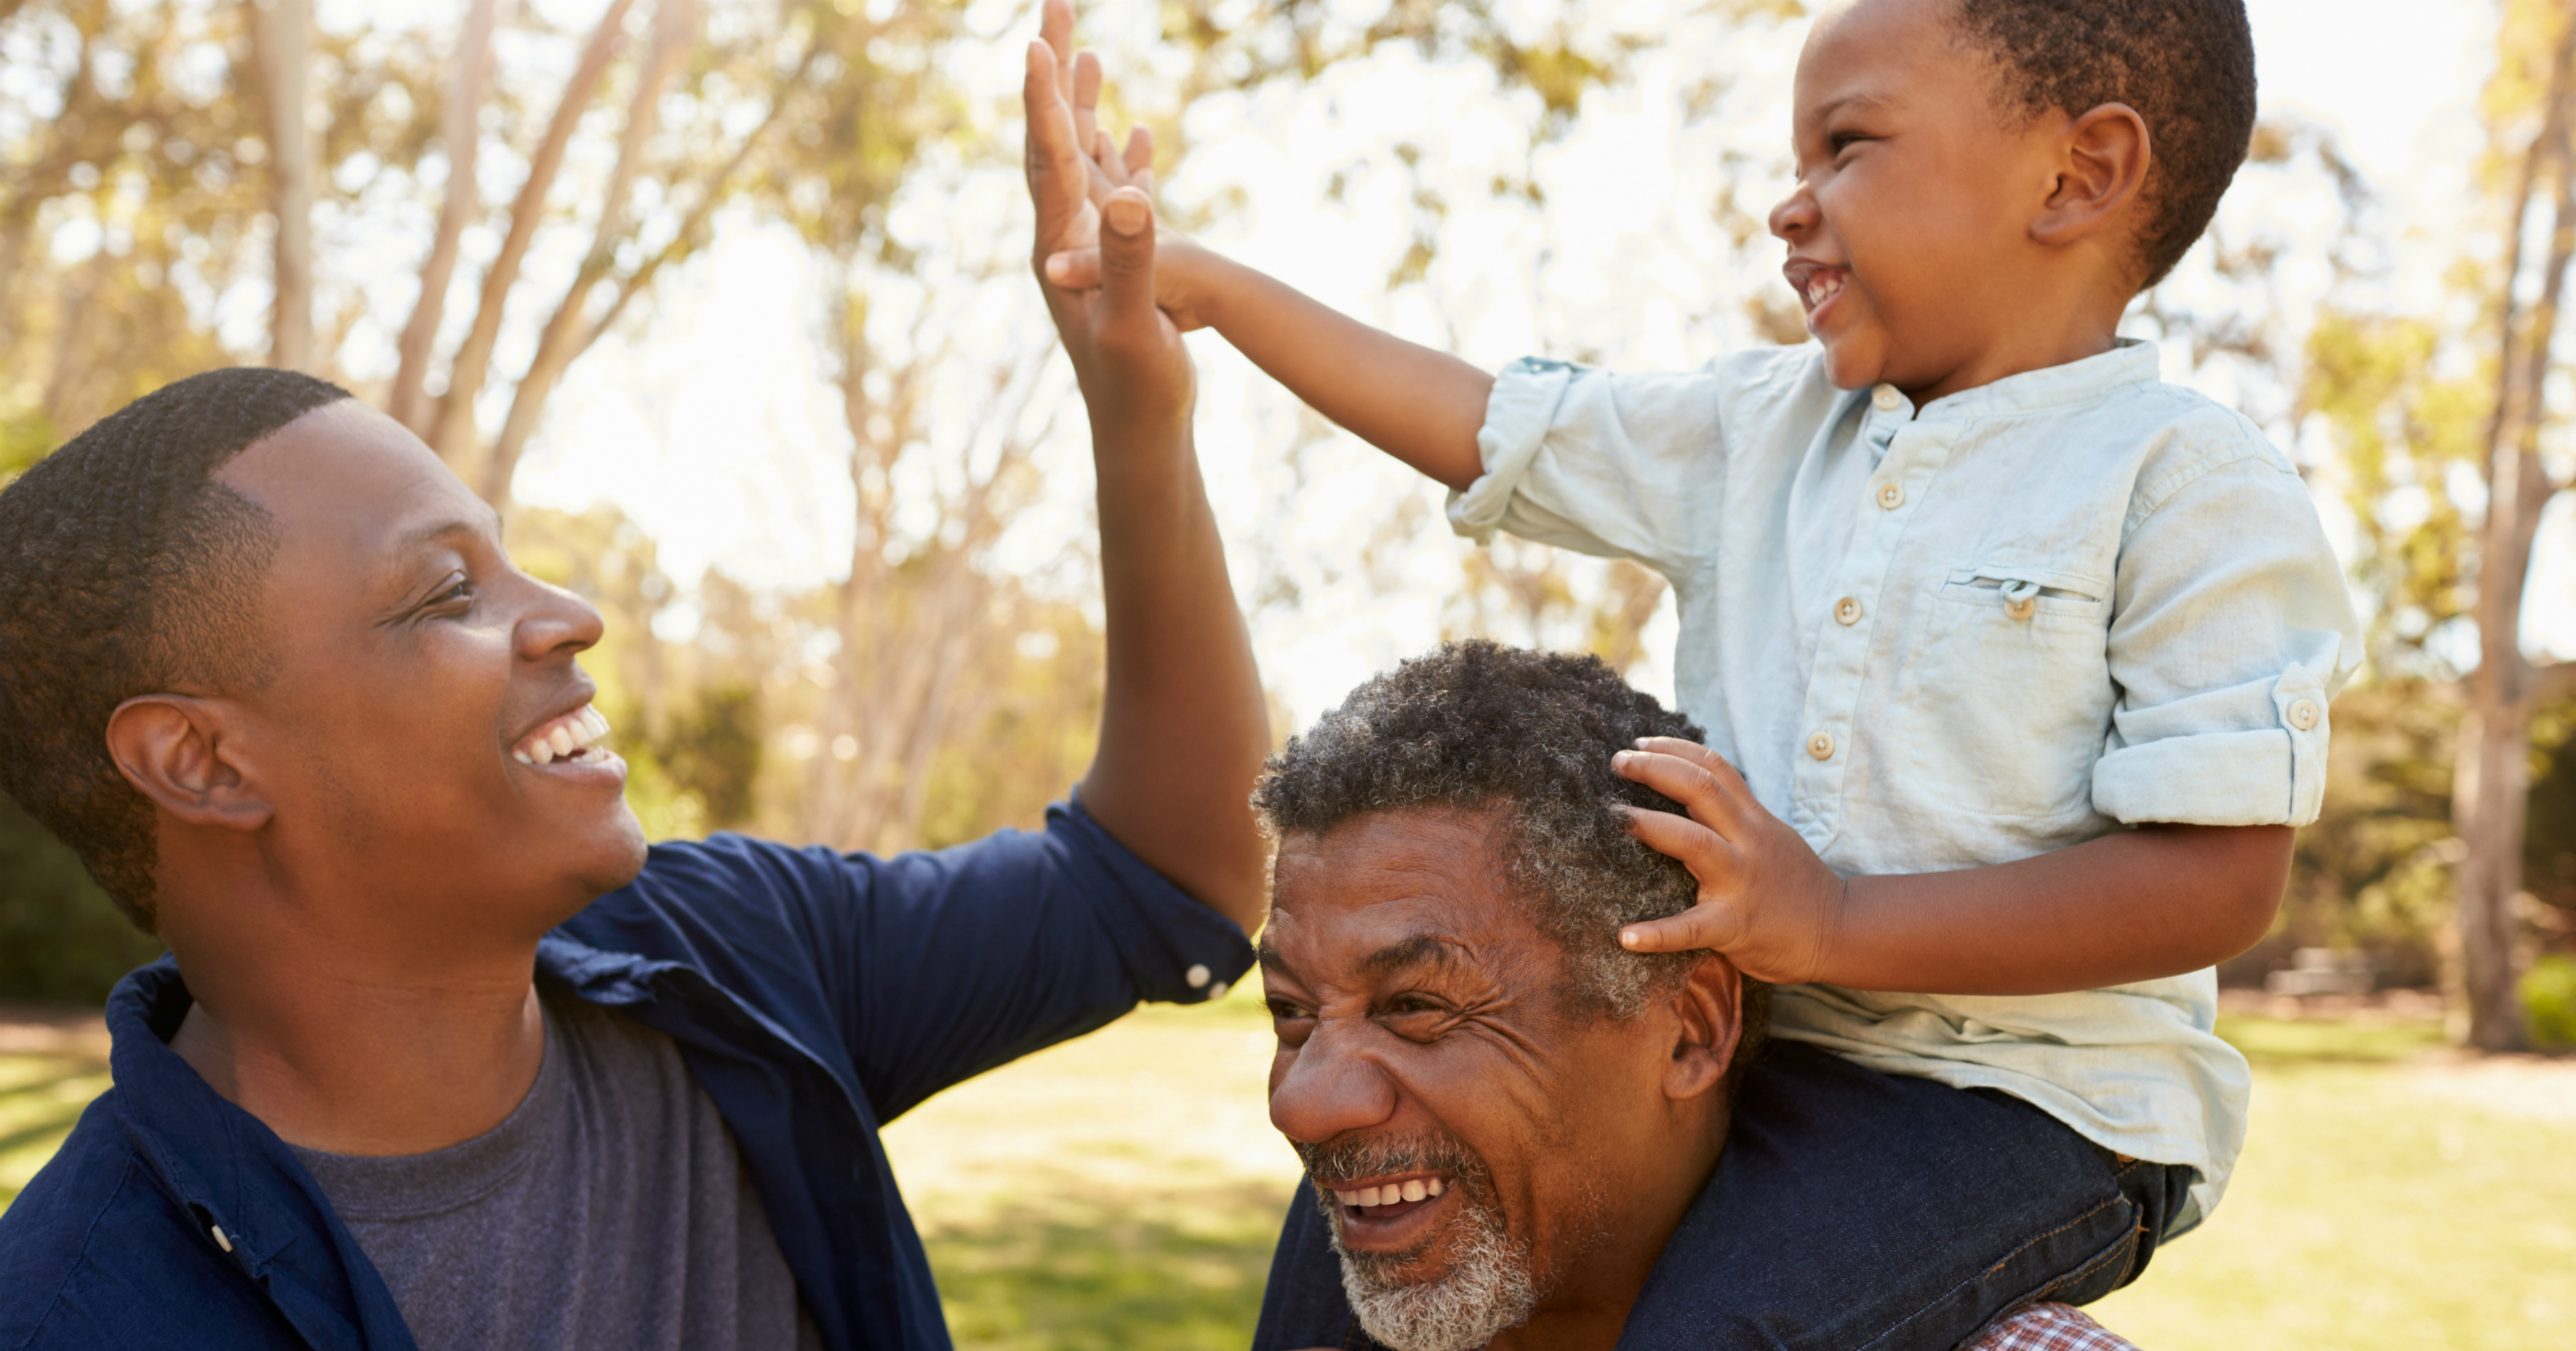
{"x":461,"y":591}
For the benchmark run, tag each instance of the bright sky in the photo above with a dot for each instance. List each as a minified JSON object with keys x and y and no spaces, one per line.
{"x":715,"y":433}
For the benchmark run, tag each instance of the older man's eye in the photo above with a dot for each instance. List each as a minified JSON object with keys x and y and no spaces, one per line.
{"x":1415,"y":1017}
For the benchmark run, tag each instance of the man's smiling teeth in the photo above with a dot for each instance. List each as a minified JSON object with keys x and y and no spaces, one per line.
{"x":568,"y":737}
{"x":1413,"y":1190}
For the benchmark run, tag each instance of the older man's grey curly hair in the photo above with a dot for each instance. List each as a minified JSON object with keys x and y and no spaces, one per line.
{"x":1478,"y":726}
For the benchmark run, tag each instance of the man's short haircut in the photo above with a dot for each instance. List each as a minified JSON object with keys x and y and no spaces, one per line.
{"x":126,"y":569}
{"x":1478,"y":726}
{"x":2186,"y":66}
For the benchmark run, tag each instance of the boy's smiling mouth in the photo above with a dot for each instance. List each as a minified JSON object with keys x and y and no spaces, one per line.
{"x":1816,"y":283}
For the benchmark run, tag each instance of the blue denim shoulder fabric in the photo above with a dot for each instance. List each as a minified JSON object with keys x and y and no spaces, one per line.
{"x":1851,"y":1209}
{"x":815,"y":995}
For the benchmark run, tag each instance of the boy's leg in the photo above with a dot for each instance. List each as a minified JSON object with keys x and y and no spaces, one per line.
{"x":1854,"y":1209}
{"x":1851,"y":1210}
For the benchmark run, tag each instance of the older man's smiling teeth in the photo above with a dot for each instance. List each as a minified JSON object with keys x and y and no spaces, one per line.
{"x":573,"y":738}
{"x":1412,"y":1189}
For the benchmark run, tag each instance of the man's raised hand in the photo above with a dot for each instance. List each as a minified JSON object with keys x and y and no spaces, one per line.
{"x":1765,"y":899}
{"x":1135,"y":373}
{"x":1076,"y":265}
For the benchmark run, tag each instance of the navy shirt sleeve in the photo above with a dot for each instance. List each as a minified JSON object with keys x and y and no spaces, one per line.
{"x":932,"y":966}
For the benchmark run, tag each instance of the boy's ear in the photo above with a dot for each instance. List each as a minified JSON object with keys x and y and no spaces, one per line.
{"x":175,"y":749}
{"x":2102,"y":162}
{"x":1708,"y":1019}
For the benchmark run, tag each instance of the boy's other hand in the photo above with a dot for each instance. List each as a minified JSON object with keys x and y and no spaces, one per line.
{"x":1179,"y":262}
{"x":1765,"y":899}
{"x":1127,"y":354}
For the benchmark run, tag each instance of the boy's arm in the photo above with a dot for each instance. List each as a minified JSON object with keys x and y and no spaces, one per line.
{"x":1183,"y":725}
{"x":2141,"y":904}
{"x":1421,"y":406}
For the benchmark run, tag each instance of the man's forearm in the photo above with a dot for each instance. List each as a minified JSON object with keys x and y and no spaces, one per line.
{"x":1421,"y":406}
{"x":1183,"y":725}
{"x":2132,"y":906}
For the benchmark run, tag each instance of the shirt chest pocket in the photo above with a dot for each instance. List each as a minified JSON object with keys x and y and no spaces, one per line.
{"x":2004,"y":702}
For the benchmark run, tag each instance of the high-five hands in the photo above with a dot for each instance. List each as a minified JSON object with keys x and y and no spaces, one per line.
{"x":1077,"y":263}
{"x":1765,"y":899}
{"x":1134,"y":370}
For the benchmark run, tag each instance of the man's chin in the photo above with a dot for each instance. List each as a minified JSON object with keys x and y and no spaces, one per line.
{"x":1455,"y":1291}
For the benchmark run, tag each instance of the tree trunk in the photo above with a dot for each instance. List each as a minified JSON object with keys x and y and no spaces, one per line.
{"x":461,"y":128}
{"x":284,"y":33}
{"x":2491,"y":784}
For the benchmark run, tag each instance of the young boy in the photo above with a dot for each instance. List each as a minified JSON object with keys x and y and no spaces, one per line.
{"x":2015,"y":661}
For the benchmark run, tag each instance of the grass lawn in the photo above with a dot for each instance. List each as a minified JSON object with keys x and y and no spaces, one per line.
{"x":1124,"y":1190}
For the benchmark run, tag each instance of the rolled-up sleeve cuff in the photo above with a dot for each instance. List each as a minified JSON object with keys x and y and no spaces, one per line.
{"x":1174,"y":949}
{"x":2259,"y":775}
{"x":1517,"y":415}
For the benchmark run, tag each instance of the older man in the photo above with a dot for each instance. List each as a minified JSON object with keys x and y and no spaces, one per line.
{"x":1523,"y":1136}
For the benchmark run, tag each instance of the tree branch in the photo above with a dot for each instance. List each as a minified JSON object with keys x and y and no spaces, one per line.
{"x":461,"y":128}
{"x":674,"y":27}
{"x":473,"y":360}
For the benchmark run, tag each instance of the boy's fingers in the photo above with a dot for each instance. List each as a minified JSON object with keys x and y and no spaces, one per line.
{"x":1074,"y":269}
{"x":1716,"y":764}
{"x":1139,"y":158}
{"x":1086,"y":99}
{"x":1104,"y":158}
{"x":1127,"y":259}
{"x":1707,"y":854}
{"x":1687,"y":782}
{"x":1709,"y":924}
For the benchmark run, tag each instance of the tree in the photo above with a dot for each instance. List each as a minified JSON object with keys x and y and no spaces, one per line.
{"x":2492,"y":788}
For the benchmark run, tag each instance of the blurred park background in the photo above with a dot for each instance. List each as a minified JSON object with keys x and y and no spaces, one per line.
{"x":726,"y":303}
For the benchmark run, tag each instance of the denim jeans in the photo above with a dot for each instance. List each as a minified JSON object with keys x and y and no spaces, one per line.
{"x":1850,"y":1210}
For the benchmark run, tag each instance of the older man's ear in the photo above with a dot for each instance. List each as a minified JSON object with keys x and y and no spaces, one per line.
{"x":1707,"y":1019}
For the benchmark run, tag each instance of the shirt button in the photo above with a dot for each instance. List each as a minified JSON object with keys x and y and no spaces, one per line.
{"x":1197,"y":976}
{"x":1887,"y":399}
{"x":1821,"y":745}
{"x":2303,"y":714}
{"x":1891,"y":495}
{"x":1847,"y":611}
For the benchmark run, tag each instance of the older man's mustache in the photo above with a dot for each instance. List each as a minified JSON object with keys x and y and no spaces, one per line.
{"x":1339,"y":1164}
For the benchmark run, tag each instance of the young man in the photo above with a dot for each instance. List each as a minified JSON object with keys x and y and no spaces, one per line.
{"x":444,"y":1056}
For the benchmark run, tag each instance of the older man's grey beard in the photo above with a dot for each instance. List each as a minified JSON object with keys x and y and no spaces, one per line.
{"x":1489,"y":1286}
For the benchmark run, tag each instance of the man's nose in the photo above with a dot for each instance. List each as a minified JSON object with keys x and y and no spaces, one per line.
{"x":556,"y":623}
{"x":1795,"y":213}
{"x":1327,"y":1089}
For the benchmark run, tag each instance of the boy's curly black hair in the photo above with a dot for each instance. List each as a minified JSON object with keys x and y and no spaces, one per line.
{"x":2187,"y":66}
{"x":1477,"y":725}
{"x":126,"y":569}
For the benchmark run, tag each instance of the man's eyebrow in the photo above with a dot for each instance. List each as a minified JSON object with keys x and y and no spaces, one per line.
{"x":1418,"y":950}
{"x":435,"y":531}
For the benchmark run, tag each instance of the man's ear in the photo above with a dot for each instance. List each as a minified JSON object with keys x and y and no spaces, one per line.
{"x":2102,"y":164}
{"x":175,"y":749}
{"x":1708,"y":1017}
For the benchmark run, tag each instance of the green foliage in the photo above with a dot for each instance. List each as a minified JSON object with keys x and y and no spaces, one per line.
{"x":61,"y":939}
{"x":2549,"y":1000}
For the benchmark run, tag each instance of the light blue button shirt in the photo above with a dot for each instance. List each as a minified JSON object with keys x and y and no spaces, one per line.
{"x":2008,"y":622}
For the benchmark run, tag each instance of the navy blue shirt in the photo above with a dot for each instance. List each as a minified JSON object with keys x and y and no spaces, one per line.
{"x":816,"y":996}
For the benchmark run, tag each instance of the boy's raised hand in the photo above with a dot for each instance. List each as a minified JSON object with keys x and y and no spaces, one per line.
{"x":1077,"y":263}
{"x":1765,"y":899}
{"x":1135,"y":373}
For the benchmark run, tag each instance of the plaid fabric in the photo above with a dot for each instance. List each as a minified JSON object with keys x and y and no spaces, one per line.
{"x":2049,"y":1327}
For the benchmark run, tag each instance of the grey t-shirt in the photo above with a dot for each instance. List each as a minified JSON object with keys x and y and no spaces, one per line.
{"x":611,"y":1209}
